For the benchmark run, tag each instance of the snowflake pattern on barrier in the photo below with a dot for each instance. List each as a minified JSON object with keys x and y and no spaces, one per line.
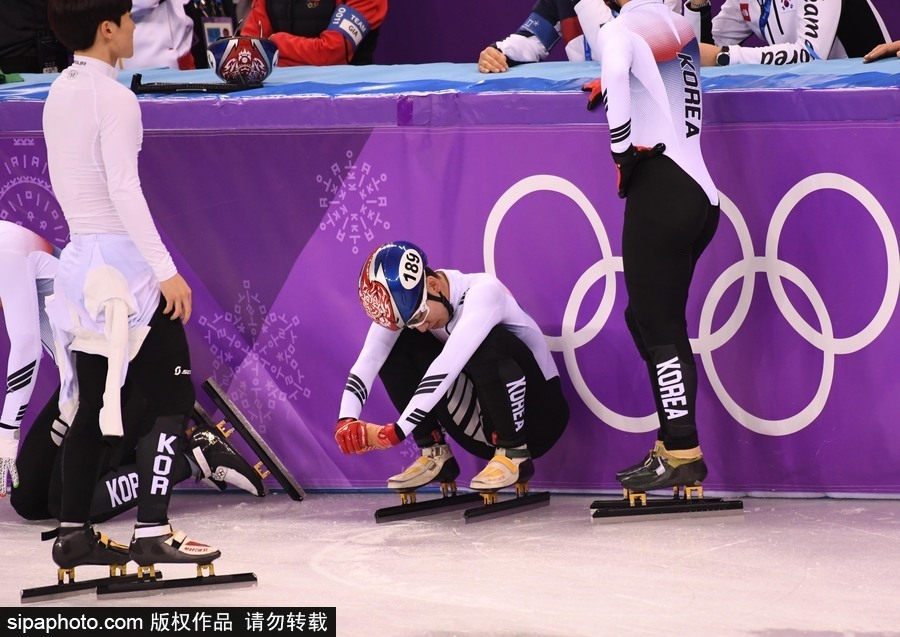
{"x":26,"y":197}
{"x":354,"y":202}
{"x":258,"y":347}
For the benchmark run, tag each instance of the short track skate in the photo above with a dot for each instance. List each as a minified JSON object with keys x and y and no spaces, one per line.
{"x":492,"y":506}
{"x":506,"y":465}
{"x":172,"y":548}
{"x":93,"y":549}
{"x":450,"y":500}
{"x":70,"y":587}
{"x":421,"y":473}
{"x":685,"y":500}
{"x":148,"y":584}
{"x":268,"y":461}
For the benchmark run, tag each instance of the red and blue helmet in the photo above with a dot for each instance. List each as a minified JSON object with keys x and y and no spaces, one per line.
{"x":243,"y":60}
{"x":392,"y":284}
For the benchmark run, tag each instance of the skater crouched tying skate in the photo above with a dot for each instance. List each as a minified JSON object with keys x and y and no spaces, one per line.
{"x":117,"y":297}
{"x":472,"y":365}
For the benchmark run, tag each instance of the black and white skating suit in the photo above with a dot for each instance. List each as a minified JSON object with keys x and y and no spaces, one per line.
{"x":650,"y":75}
{"x":107,"y":310}
{"x":644,"y":53}
{"x":460,"y":368}
{"x":796,"y":30}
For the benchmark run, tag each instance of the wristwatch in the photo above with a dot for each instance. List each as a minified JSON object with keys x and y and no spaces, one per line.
{"x":723,"y":57}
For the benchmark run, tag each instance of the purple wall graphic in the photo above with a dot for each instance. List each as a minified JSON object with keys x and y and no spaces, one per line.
{"x":792,"y":310}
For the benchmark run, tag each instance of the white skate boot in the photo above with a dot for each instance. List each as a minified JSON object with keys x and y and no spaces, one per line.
{"x":507,"y":467}
{"x":435,"y":463}
{"x":161,"y":545}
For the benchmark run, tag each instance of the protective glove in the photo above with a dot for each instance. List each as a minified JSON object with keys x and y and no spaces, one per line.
{"x":9,"y":447}
{"x":356,"y":436}
{"x":596,"y":90}
{"x":625,"y":162}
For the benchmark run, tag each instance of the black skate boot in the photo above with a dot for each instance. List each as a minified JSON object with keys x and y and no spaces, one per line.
{"x":220,"y":464}
{"x":82,"y":546}
{"x":160,"y":545}
{"x":640,"y":465}
{"x":664,"y":470}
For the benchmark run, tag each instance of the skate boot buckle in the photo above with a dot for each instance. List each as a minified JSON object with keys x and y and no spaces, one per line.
{"x":448,"y":489}
{"x":63,"y":573}
{"x":209,"y":568}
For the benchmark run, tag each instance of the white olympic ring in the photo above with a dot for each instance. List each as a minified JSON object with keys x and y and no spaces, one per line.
{"x":746,"y":269}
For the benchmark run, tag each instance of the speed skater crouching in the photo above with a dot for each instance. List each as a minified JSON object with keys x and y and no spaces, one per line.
{"x":472,"y":366}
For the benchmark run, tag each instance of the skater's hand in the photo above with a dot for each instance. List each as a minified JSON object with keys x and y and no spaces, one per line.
{"x":882,"y":50}
{"x":9,"y":447}
{"x":625,"y":163}
{"x":350,"y":434}
{"x":492,"y":60}
{"x":177,"y":293}
{"x":356,"y":436}
{"x":596,"y":90}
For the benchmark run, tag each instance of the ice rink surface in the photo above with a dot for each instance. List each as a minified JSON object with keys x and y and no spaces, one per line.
{"x":782,"y":568}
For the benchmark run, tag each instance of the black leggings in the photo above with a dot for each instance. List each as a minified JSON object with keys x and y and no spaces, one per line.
{"x":668,"y":223}
{"x":40,"y":462}
{"x":160,"y":373}
{"x":517,"y":404}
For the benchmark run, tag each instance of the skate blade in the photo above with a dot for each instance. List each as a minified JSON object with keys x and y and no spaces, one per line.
{"x":63,"y":591}
{"x":613,"y":511}
{"x":139,"y":588}
{"x":531,"y":500}
{"x":256,"y":443}
{"x":422,"y":508}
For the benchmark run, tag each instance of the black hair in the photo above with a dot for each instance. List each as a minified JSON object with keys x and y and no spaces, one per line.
{"x":75,"y":22}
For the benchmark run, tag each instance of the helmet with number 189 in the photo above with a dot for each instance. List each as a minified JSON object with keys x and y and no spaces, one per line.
{"x":392,"y":284}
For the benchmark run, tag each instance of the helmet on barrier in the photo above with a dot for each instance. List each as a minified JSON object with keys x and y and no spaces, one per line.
{"x":243,"y":60}
{"x":392,"y":285}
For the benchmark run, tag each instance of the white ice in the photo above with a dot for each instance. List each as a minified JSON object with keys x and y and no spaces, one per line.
{"x":782,"y":568}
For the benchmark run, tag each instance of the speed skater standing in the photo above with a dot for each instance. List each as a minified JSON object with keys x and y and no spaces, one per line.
{"x":650,"y":86}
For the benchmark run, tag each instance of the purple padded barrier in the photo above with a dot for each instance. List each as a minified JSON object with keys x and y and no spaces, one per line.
{"x":793,"y":305}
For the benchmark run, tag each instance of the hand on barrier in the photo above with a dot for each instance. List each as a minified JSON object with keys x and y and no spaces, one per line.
{"x":626,"y":161}
{"x":356,"y":436}
{"x":596,"y":90}
{"x":492,"y":60}
{"x":9,"y":447}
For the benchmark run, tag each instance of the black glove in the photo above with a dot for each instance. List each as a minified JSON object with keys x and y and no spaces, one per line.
{"x":596,"y":90}
{"x":625,"y":162}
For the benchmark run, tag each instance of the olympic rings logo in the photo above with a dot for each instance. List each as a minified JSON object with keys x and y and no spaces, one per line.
{"x":744,"y":270}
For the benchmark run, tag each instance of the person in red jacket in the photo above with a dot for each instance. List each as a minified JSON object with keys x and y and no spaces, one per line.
{"x":318,"y":32}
